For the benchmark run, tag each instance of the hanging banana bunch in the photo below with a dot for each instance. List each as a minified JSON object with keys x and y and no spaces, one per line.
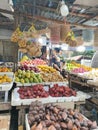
{"x":15,"y":36}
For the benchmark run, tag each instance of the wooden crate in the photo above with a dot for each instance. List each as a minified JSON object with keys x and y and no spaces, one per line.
{"x":5,"y":122}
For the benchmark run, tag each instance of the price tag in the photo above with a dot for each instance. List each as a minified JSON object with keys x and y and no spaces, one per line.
{"x":46,"y":88}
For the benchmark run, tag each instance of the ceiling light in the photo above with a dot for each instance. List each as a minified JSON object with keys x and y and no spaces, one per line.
{"x":64,"y":9}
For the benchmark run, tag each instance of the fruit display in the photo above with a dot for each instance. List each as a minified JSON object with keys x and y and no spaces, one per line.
{"x":4,"y":69}
{"x":52,"y":77}
{"x":33,"y":62}
{"x":49,"y":74}
{"x":91,"y":74}
{"x":73,"y":66}
{"x":70,"y":66}
{"x":79,"y":70}
{"x":27,"y":76}
{"x":46,"y":68}
{"x":29,"y":68}
{"x":5,"y":79}
{"x":61,"y":91}
{"x":53,"y":117}
{"x":36,"y":91}
{"x":24,"y":58}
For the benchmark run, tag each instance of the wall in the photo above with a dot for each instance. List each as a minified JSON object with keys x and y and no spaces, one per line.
{"x":5,"y":34}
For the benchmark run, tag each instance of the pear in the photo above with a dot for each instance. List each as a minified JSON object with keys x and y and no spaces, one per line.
{"x":22,"y":81}
{"x":17,"y":79}
{"x":28,"y":74}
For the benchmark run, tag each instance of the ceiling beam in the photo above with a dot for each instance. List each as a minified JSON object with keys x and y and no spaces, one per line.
{"x":55,"y":10}
{"x":80,"y":15}
{"x":82,"y":6}
{"x":62,"y":22}
{"x":46,"y":19}
{"x":71,"y":13}
{"x":50,"y":21}
{"x":46,"y":8}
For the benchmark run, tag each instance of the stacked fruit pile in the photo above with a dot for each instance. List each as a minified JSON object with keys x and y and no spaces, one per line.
{"x":38,"y":90}
{"x":77,"y":68}
{"x":29,"y":68}
{"x":4,"y":69}
{"x":27,"y":76}
{"x":61,"y":91}
{"x":4,"y":78}
{"x":33,"y":62}
{"x":91,"y":74}
{"x":53,"y":117}
{"x":49,"y":74}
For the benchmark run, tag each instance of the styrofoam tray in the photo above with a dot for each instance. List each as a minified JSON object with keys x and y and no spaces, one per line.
{"x":93,"y":82}
{"x":43,"y":83}
{"x":7,"y":86}
{"x":16,"y":101}
{"x":28,"y":126}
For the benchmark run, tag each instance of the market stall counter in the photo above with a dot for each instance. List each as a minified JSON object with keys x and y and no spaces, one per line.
{"x":22,"y":103}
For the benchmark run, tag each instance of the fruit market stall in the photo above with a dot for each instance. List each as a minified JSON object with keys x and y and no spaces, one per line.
{"x":57,"y":93}
{"x":28,"y":75}
{"x":35,"y":80}
{"x":87,"y":79}
{"x":6,"y":83}
{"x":81,"y":76}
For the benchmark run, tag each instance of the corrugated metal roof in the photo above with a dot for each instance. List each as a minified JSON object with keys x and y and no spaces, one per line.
{"x":45,"y":12}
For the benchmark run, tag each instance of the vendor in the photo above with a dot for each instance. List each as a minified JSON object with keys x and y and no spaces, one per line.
{"x":55,"y":60}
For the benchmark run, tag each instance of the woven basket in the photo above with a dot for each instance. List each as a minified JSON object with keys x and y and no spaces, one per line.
{"x":55,"y":34}
{"x":64,"y":29}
